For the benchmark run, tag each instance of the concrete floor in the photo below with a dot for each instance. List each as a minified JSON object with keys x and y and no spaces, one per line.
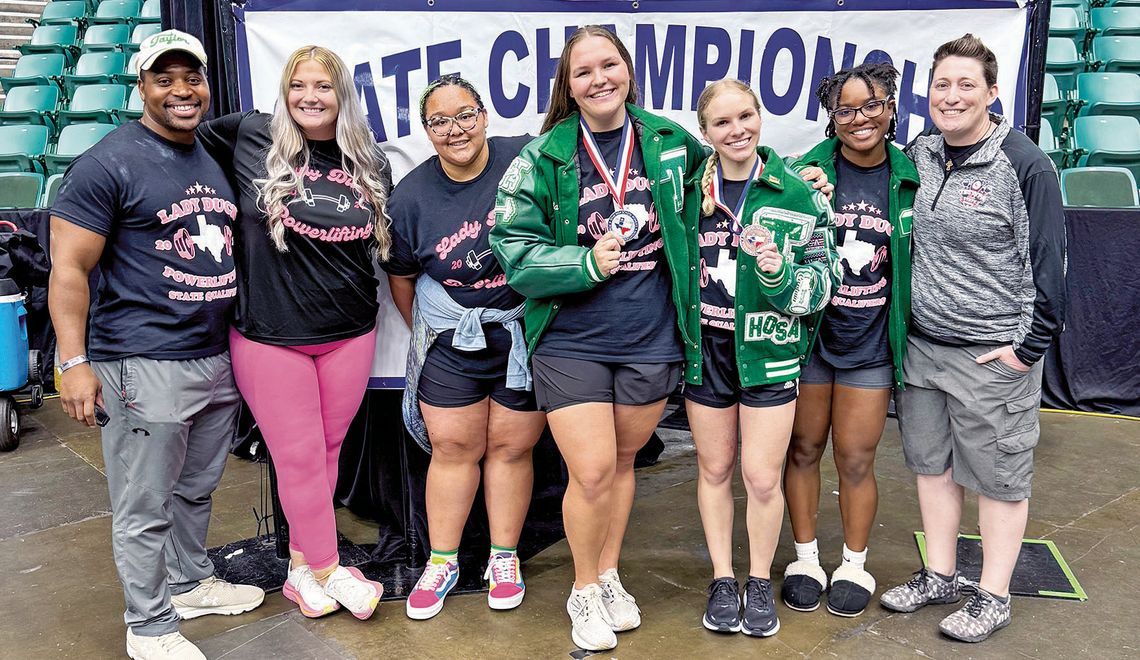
{"x":59,"y":595}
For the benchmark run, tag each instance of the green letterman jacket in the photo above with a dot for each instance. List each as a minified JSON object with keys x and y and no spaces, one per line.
{"x":904,"y":185}
{"x":535,"y":236}
{"x":776,"y":319}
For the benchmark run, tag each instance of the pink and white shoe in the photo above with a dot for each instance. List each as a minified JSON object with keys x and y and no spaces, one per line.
{"x":350,"y":588}
{"x":304,"y":590}
{"x":505,"y":588}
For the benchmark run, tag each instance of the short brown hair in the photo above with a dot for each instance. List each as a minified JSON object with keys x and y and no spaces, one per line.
{"x":972,"y":47}
{"x":561,"y":105}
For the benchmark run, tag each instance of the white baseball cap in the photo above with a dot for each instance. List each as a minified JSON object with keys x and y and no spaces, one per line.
{"x":164,"y":42}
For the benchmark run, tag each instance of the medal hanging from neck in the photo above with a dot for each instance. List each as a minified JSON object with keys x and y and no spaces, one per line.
{"x":622,"y":222}
{"x":717,"y":185}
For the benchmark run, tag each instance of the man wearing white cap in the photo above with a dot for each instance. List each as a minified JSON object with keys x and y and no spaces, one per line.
{"x":150,"y":207}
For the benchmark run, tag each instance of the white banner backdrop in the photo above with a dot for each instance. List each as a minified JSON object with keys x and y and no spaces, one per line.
{"x":508,"y":49}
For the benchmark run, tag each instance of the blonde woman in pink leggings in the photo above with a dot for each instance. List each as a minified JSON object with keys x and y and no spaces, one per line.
{"x":313,"y":186}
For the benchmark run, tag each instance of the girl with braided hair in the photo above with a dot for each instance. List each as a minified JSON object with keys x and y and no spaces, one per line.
{"x":767,"y":268}
{"x":845,"y":385}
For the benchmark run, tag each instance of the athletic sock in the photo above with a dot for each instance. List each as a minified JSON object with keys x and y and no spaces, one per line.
{"x":497,"y":549}
{"x":445,"y":556}
{"x":947,"y":578}
{"x":808,"y":552}
{"x":854,"y":559}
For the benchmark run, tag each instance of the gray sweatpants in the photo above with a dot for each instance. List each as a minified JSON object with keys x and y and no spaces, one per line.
{"x":172,"y":422}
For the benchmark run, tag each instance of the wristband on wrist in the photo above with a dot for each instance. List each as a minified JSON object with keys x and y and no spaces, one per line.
{"x":73,"y":362}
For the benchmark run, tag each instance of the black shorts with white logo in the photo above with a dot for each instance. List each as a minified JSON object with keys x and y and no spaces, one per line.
{"x":720,"y":380}
{"x":443,"y":385}
{"x":561,"y":382}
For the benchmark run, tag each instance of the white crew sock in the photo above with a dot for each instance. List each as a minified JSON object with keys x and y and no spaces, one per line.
{"x":808,"y":552}
{"x":855,"y":559}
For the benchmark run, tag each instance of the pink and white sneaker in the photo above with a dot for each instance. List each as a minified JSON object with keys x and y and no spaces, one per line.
{"x":505,"y":588}
{"x":350,"y":588}
{"x":304,"y":590}
{"x":426,"y":600}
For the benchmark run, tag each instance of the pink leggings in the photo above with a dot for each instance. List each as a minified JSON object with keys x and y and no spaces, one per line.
{"x":304,"y":398}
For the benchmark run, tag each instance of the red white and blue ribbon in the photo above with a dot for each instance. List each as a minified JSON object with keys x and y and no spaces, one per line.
{"x":717,"y":186}
{"x":617,"y":183}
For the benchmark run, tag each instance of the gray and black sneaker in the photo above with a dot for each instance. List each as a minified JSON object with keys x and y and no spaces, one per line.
{"x":978,"y":619}
{"x":759,"y":618}
{"x":925,"y":588}
{"x":723,"y":612}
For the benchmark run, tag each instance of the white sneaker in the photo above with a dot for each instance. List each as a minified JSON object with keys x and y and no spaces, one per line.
{"x":621,"y":607}
{"x":172,"y":646}
{"x":304,"y":590}
{"x":350,"y":588}
{"x":590,"y":625}
{"x":216,"y":596}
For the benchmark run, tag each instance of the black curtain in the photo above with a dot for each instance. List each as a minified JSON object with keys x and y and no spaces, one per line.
{"x":1095,"y":365}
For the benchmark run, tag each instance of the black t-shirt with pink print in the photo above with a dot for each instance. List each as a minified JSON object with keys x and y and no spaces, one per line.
{"x":323,"y":288}
{"x":167,"y":272}
{"x":440,"y":230}
{"x":630,"y":317}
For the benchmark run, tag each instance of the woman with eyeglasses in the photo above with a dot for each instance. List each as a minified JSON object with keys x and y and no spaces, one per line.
{"x":467,"y":367}
{"x":845,"y":386}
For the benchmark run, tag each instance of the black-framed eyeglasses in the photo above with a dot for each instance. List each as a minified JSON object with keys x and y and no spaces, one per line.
{"x":466,"y":120}
{"x":870,"y":110}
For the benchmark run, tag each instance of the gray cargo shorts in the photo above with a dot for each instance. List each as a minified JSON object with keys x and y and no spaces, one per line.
{"x":980,"y":420}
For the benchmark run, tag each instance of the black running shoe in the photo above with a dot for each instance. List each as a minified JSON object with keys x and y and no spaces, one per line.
{"x":759,"y":618}
{"x":723,"y":612}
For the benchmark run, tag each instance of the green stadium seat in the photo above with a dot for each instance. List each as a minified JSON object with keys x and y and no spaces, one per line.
{"x":1116,"y":54}
{"x":1107,"y":140}
{"x":62,"y":39}
{"x":1053,"y":107}
{"x":106,"y":37}
{"x":74,"y":140}
{"x":117,"y":11}
{"x":1048,"y":143}
{"x":1115,"y":21}
{"x":43,"y":69}
{"x":20,"y":190}
{"x":1109,"y":94}
{"x":151,"y":12}
{"x":31,"y":104}
{"x":1106,"y":187}
{"x":1063,"y":61}
{"x":22,"y":148}
{"x":1122,"y":3}
{"x":94,"y":103}
{"x":99,"y":68}
{"x":51,"y":189}
{"x":134,"y":108}
{"x":62,"y":12}
{"x":141,"y":33}
{"x":1066,"y":23}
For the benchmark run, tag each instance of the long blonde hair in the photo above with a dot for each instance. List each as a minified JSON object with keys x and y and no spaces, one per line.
{"x":706,"y":97}
{"x":561,"y":105}
{"x":289,"y":154}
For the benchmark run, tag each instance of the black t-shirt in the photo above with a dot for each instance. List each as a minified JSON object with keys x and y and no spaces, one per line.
{"x":854,"y":330}
{"x":718,"y":262}
{"x":440,"y":228}
{"x":630,"y":317}
{"x":167,"y":271}
{"x":324,"y":287}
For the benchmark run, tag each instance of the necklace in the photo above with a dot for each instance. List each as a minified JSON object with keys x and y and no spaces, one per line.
{"x":965,"y":155}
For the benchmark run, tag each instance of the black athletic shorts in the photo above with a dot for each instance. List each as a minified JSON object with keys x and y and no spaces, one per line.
{"x":561,"y":382}
{"x":720,"y":382}
{"x":444,"y":386}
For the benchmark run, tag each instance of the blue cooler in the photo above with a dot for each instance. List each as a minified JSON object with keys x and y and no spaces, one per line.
{"x":13,"y":337}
